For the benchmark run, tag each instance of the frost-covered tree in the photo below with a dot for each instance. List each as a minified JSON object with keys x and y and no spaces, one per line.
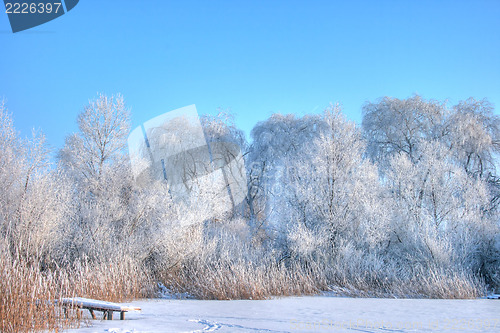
{"x":332,"y":195}
{"x":94,"y":159}
{"x":34,"y":200}
{"x":10,"y":165}
{"x":227,"y":147}
{"x":275,"y":141}
{"x":439,"y":167}
{"x":469,"y":130}
{"x":433,"y":201}
{"x":103,"y":126}
{"x":393,"y":125}
{"x":475,"y":136}
{"x":474,"y":139}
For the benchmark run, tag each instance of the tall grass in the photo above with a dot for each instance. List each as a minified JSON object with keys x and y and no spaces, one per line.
{"x":29,"y":294}
{"x":115,"y":281}
{"x":221,"y":268}
{"x":227,"y":280}
{"x":393,"y":280}
{"x":27,"y":298}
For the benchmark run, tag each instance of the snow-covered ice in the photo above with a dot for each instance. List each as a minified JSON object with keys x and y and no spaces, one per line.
{"x":307,"y":314}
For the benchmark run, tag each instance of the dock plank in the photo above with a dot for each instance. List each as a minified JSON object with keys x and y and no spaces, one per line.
{"x":97,"y":305}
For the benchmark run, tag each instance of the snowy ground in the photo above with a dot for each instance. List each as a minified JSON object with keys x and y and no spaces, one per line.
{"x":307,"y":314}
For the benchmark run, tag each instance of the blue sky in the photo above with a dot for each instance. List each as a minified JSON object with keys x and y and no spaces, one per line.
{"x":253,"y":57}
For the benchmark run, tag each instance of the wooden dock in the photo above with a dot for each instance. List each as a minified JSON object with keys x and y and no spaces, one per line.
{"x":107,"y":308}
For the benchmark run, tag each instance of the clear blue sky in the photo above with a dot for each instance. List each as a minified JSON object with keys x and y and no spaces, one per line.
{"x":254,"y":57}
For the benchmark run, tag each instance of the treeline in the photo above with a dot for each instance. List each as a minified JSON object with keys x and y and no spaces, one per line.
{"x":404,"y":205}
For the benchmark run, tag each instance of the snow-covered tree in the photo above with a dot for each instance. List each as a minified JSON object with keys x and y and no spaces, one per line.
{"x":34,"y":200}
{"x":10,"y":166}
{"x":94,"y":159}
{"x":227,"y":146}
{"x":275,"y":141}
{"x":474,"y":139}
{"x":433,"y":200}
{"x":393,"y":125}
{"x":103,"y":126}
{"x":332,"y":194}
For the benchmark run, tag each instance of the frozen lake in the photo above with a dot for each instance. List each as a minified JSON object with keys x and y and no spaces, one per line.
{"x":306,"y":314}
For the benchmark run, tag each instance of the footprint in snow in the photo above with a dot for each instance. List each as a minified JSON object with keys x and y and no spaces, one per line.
{"x":209,"y":327}
{"x":119,"y":330}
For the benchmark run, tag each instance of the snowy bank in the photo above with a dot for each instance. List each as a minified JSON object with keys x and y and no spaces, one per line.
{"x":307,"y":314}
